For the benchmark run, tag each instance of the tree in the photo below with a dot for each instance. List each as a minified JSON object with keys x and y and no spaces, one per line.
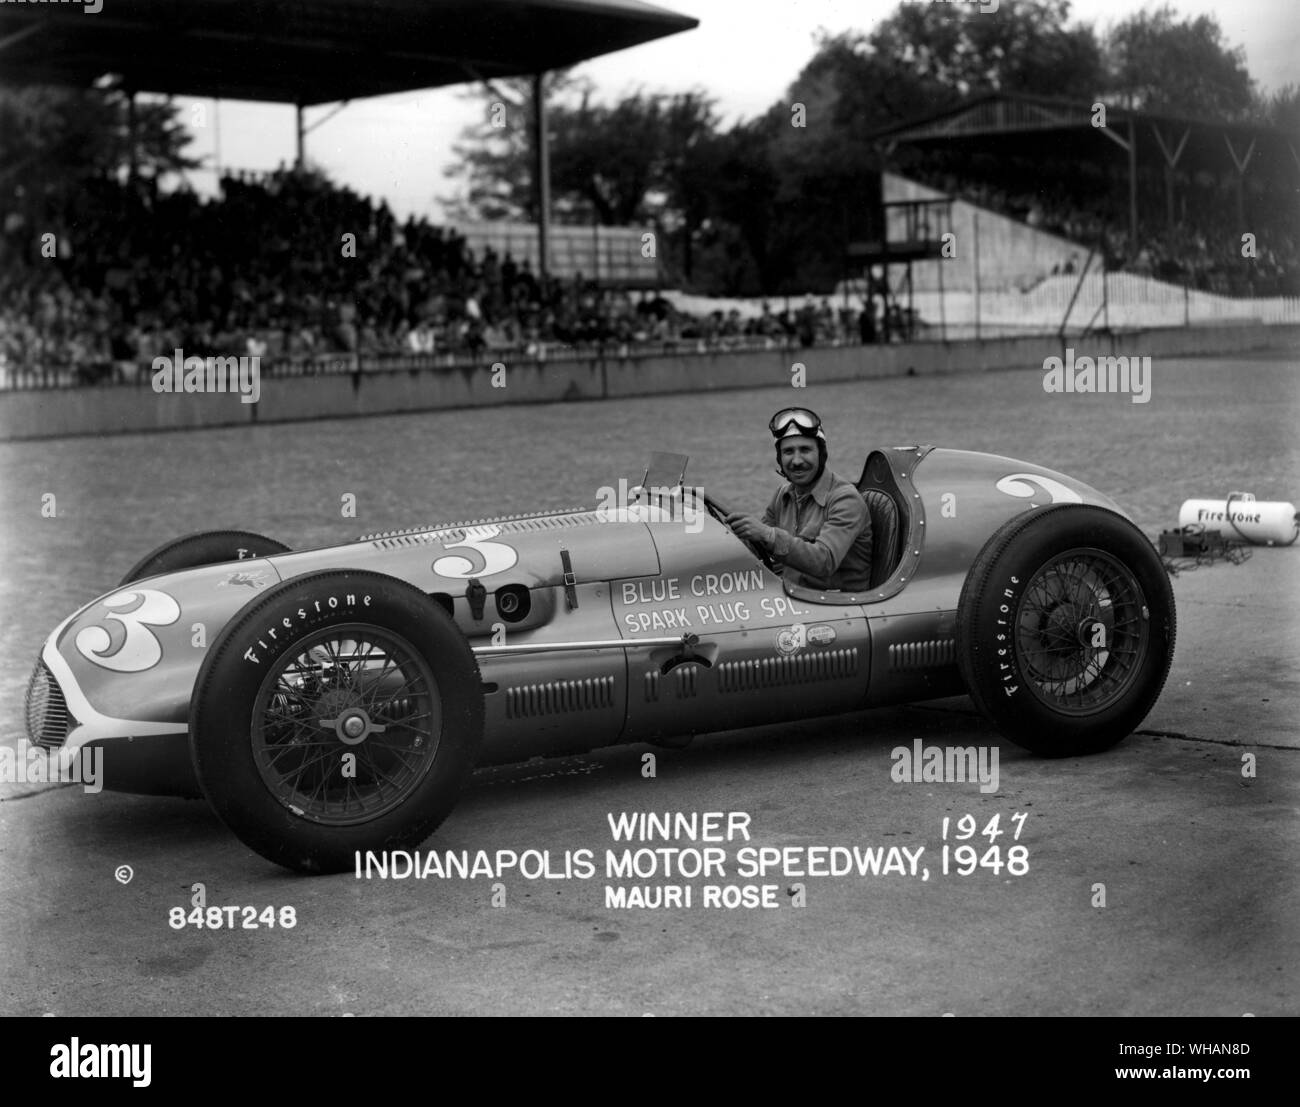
{"x":742,"y":216}
{"x":649,"y":158}
{"x":606,"y":159}
{"x":948,"y":52}
{"x":495,"y":158}
{"x":53,"y":138}
{"x":1279,"y":109}
{"x":816,"y":168}
{"x":689,"y":169}
{"x":613,"y":164}
{"x":1185,"y":68}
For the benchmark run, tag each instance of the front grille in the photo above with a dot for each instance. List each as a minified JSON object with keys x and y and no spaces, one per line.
{"x":48,"y":720}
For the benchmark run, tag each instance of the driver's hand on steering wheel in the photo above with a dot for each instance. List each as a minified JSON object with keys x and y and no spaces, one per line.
{"x":749,"y":528}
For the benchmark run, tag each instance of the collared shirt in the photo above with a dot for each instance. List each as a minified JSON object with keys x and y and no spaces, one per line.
{"x":824,"y":534}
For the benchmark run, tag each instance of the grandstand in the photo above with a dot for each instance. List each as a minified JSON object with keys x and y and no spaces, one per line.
{"x":258,"y":270}
{"x":1038,"y":212}
{"x":1008,"y":276}
{"x":1152,"y":194}
{"x":1010,"y":252}
{"x":1049,"y":238}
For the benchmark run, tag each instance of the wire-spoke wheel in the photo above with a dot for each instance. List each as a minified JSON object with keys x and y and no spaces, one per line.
{"x":346,"y":727}
{"x":1065,"y":629}
{"x":339,"y":713}
{"x":1081,"y":631}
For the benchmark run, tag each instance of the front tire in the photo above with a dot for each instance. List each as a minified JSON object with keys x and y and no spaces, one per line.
{"x":1065,"y":629}
{"x":209,"y":547}
{"x":341,"y":712}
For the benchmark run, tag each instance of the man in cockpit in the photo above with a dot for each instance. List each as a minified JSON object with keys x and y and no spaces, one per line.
{"x":817,"y":524}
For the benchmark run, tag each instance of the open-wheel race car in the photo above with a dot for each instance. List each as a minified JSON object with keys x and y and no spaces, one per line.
{"x":333,"y":700}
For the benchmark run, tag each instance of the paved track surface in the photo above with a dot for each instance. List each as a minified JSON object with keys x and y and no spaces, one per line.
{"x":1198,"y":861}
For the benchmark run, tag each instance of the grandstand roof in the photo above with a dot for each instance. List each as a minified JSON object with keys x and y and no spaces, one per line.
{"x":312,"y":51}
{"x":1016,"y":124}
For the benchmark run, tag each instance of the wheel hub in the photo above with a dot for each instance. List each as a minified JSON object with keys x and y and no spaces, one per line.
{"x":347,"y":724}
{"x":336,"y":701}
{"x":1081,"y":630}
{"x":353,"y":726}
{"x":1061,"y":628}
{"x":1086,"y":633}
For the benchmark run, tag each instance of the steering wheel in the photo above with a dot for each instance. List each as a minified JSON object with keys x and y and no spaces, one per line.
{"x":720,"y":510}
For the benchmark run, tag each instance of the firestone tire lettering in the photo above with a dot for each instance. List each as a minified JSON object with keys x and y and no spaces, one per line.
{"x":268,"y":707}
{"x":1045,"y":590}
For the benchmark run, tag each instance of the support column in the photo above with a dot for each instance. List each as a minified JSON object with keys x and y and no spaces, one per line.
{"x":216,"y":136}
{"x":1241,"y":163}
{"x":542,"y":176}
{"x":1132,"y":188}
{"x":300,"y":161}
{"x":133,"y":160}
{"x":1129,"y":146}
{"x":943,"y":306}
{"x":1171,"y":164}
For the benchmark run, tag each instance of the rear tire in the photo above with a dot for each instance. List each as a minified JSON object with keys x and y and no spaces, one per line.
{"x":339,"y":713}
{"x":1065,"y":629}
{"x":209,"y":547}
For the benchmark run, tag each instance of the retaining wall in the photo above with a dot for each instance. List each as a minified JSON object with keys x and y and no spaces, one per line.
{"x":111,"y":409}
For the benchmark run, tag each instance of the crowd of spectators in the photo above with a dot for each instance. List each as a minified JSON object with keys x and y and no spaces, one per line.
{"x":44,"y":321}
{"x":289,"y":266}
{"x":1201,"y":250}
{"x":282,"y":266}
{"x":813,"y":322}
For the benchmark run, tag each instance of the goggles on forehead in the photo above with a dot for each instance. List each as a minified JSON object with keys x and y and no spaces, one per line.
{"x":795,"y":420}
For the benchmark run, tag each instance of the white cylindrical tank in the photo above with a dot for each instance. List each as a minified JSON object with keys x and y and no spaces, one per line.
{"x":1264,"y":522}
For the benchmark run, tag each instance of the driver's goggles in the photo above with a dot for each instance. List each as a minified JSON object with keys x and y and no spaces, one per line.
{"x":809,"y":422}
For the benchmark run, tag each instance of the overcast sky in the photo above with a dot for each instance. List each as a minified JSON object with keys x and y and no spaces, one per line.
{"x":745,"y":53}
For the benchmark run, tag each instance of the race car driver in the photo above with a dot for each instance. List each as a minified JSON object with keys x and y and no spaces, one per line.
{"x":817,"y":523}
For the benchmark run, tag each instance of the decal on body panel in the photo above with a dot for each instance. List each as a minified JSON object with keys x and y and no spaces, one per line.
{"x":122,"y":641}
{"x":1013,"y":484}
{"x":252,"y":578}
{"x":791,"y":640}
{"x":497,"y":557}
